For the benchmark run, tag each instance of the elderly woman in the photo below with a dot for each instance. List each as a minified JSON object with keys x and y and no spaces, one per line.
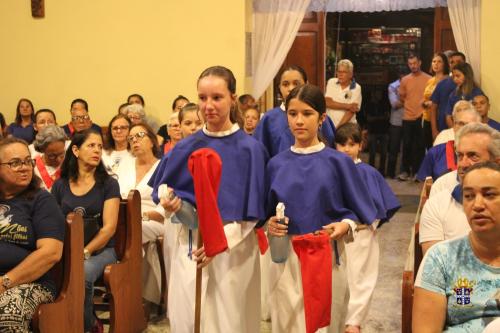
{"x":51,"y":143}
{"x":86,"y":188}
{"x":135,"y":176}
{"x":116,"y":148}
{"x":31,"y":238}
{"x":174,"y":132}
{"x":343,"y":95}
{"x":458,"y":283}
{"x":177,"y":106}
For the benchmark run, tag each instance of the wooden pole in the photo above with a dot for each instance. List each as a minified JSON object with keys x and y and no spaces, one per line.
{"x":197,"y":307}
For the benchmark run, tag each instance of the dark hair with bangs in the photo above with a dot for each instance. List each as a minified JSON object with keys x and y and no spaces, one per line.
{"x":348,"y":131}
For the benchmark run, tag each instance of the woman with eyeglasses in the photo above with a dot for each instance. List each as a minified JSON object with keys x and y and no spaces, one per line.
{"x":116,"y":148}
{"x":174,"y":132}
{"x":86,"y":188}
{"x":135,"y":175}
{"x":177,"y":106}
{"x":51,"y":143}
{"x":31,"y":238}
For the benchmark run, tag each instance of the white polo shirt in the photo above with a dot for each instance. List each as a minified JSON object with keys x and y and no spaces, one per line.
{"x":442,"y":218}
{"x":447,"y":182}
{"x":347,"y":95}
{"x":444,"y":136}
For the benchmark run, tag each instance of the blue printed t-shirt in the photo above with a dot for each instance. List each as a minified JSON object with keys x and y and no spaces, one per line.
{"x":24,"y":221}
{"x":450,"y":268}
{"x":89,"y":205}
{"x":26,"y":133}
{"x":440,"y":97}
{"x":454,"y":98}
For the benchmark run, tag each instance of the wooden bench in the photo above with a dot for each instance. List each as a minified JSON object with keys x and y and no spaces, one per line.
{"x":123,"y":280}
{"x":65,"y":314}
{"x":415,"y":259}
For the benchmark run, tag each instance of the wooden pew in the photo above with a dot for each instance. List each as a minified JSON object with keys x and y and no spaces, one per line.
{"x":123,"y":280}
{"x":410,"y":274}
{"x":65,"y":314}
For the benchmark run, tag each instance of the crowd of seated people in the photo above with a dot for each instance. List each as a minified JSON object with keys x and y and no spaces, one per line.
{"x":87,"y":170}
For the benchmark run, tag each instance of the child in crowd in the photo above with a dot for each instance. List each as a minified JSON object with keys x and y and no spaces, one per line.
{"x":322,"y":192}
{"x":363,"y":253}
{"x":273,"y":130}
{"x":190,"y":120}
{"x":251,"y":117}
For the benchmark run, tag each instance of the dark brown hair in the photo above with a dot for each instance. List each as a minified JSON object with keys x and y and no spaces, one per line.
{"x":18,"y":113}
{"x":152,"y":136}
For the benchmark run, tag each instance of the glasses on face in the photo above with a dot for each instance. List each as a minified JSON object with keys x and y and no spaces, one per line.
{"x":138,"y":136}
{"x":119,"y":128}
{"x":174,"y":125}
{"x":16,"y":164}
{"x":80,"y":118}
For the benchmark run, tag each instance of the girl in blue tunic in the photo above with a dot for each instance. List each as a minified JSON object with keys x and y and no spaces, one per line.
{"x":273,"y":130}
{"x":231,"y":282}
{"x":321,"y":191}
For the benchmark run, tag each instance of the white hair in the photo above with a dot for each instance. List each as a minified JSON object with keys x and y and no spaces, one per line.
{"x":464,"y":107}
{"x":346,"y":63}
{"x":480,"y":128}
{"x":135,"y":108}
{"x":50,"y":134}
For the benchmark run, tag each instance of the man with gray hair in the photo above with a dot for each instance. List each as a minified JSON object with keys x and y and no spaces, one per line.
{"x":440,"y":159}
{"x":343,"y":95}
{"x":443,"y":217}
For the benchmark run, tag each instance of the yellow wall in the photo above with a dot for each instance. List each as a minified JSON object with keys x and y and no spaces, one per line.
{"x":104,"y":50}
{"x":490,"y":54}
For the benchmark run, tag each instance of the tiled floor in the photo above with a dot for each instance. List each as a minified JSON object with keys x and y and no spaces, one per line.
{"x":385,"y":312}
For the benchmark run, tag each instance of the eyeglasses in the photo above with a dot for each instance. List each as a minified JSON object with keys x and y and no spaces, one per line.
{"x":119,"y":128}
{"x":138,"y":136}
{"x":80,"y":118}
{"x":173,"y":125}
{"x":17,"y":164}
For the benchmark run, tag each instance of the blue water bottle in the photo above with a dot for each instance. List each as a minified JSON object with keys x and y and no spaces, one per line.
{"x":186,"y":215}
{"x":280,"y":245}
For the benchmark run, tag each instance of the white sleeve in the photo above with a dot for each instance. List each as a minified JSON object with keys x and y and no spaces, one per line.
{"x":431,"y":225}
{"x":356,"y":95}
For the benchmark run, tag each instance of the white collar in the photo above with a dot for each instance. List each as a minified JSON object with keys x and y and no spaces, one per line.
{"x":357,"y":161}
{"x":220,"y":134}
{"x":308,"y":150}
{"x":282,"y":106}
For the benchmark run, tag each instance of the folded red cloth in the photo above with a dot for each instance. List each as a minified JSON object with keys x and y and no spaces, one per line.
{"x":205,"y":166}
{"x":262,"y":239}
{"x":315,"y":256}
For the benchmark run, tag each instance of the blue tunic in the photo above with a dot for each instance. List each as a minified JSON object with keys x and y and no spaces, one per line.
{"x":440,"y":97}
{"x":384,"y":199}
{"x":454,"y":98}
{"x":274,"y":133}
{"x":434,"y":163}
{"x":494,"y":124}
{"x":317,"y":189}
{"x":241,"y":191}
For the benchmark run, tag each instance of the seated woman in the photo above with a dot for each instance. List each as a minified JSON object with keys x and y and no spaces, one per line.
{"x":43,"y":118}
{"x":135,"y":176}
{"x":51,"y":143}
{"x":86,"y":188}
{"x":22,"y":127}
{"x":458,"y":283}
{"x":177,"y":106}
{"x":116,"y":145}
{"x":31,"y":238}
{"x":174,"y":132}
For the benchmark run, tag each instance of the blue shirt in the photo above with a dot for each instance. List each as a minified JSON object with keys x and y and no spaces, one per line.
{"x":451,"y":269}
{"x":440,"y":97}
{"x":26,"y":133}
{"x":396,"y":113}
{"x":494,"y":124}
{"x":434,"y":164}
{"x":454,"y":98}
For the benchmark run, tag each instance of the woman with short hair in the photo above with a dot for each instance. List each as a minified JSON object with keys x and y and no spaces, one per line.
{"x":51,"y":142}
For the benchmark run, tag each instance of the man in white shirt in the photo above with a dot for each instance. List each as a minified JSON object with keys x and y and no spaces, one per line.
{"x":443,"y":217}
{"x":343,"y":95}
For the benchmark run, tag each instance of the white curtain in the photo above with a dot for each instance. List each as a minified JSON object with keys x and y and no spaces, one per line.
{"x":276,"y":23}
{"x":465,"y":17}
{"x":372,"y":5}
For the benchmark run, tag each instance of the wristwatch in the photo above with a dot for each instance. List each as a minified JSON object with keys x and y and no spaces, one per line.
{"x":6,"y":282}
{"x":86,"y":254}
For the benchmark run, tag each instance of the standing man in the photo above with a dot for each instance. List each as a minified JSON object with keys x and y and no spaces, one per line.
{"x":440,"y":96}
{"x":411,"y":92}
{"x":343,"y":95}
{"x":80,"y":119}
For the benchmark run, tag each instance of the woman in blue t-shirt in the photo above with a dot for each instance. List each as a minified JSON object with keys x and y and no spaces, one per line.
{"x":86,"y":188}
{"x":31,"y":238}
{"x":22,"y":127}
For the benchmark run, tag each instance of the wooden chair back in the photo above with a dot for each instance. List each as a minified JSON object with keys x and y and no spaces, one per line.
{"x":410,"y":275}
{"x":123,"y":280}
{"x":65,"y":314}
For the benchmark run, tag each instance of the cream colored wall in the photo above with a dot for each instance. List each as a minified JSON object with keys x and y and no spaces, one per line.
{"x":103,"y":51}
{"x":490,"y":54}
